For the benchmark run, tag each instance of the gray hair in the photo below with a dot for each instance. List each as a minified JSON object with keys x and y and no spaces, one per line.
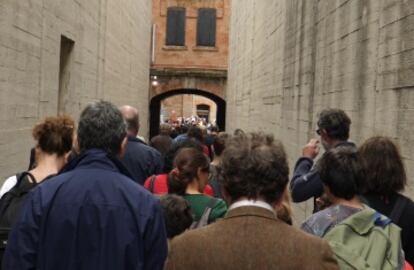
{"x":101,"y":126}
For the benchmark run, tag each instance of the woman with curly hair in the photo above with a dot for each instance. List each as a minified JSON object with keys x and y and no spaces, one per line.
{"x":385,"y":178}
{"x":54,"y":137}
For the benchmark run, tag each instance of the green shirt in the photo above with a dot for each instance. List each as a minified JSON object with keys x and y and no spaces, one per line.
{"x":199,"y":202}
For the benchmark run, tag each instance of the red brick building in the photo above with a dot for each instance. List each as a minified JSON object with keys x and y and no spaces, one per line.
{"x":189,"y":56}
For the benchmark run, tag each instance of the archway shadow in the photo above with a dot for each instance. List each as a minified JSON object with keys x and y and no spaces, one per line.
{"x":155,"y":107}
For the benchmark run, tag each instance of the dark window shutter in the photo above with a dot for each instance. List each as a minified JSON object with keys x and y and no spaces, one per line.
{"x":206,"y":27}
{"x":175,"y":26}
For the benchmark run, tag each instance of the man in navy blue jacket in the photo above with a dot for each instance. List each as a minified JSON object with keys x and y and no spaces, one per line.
{"x":333,"y":129}
{"x":92,"y":215}
{"x":141,"y":160}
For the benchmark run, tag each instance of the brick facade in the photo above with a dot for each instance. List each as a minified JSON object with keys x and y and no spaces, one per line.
{"x":189,"y":66}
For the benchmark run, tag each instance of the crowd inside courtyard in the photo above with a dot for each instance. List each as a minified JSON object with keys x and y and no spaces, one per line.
{"x":97,"y":196}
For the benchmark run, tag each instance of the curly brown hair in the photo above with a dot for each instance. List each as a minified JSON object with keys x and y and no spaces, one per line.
{"x":54,"y":135}
{"x":254,"y":166}
{"x":383,"y":166}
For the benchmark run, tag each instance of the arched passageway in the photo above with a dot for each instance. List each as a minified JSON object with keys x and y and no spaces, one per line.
{"x":155,"y":107}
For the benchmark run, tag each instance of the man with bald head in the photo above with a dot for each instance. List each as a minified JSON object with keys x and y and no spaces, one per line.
{"x":140,"y":159}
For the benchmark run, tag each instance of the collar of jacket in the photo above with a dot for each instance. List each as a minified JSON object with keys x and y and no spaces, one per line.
{"x":95,"y":156}
{"x":135,"y":139}
{"x":246,"y":202}
{"x":250,"y":211}
{"x":346,"y":144}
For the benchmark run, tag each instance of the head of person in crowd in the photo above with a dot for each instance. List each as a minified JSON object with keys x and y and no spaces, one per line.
{"x":196,"y":133}
{"x":254,"y":167}
{"x":333,"y":127}
{"x":219,"y":144}
{"x":131,"y":117}
{"x":214,"y":130}
{"x":238,"y":132}
{"x":184,"y":129}
{"x":174,"y":149}
{"x":383,"y":167}
{"x":165,"y":130}
{"x":190,"y":173}
{"x":54,"y":140}
{"x":177,"y":214}
{"x":101,"y":126}
{"x":174,"y":132}
{"x":341,"y":174}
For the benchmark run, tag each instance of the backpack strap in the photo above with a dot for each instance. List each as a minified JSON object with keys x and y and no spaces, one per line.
{"x":398,"y":209}
{"x":207,"y":211}
{"x":21,"y":176}
{"x":206,"y":214}
{"x":212,"y":203}
{"x":152,"y":183}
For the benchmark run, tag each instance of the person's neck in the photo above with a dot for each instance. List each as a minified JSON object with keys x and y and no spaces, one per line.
{"x":47,"y":165}
{"x":354,"y":202}
{"x":334,"y":143}
{"x":133,"y":134}
{"x":216,"y":161}
{"x":193,"y":188}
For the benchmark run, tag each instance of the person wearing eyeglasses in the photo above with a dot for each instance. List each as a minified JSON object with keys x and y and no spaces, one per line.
{"x":333,"y":131}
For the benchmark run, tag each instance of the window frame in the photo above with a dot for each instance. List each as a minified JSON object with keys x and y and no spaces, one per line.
{"x":173,"y":38}
{"x":211,"y":41}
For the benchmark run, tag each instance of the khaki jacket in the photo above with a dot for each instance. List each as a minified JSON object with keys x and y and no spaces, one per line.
{"x":249,"y":238}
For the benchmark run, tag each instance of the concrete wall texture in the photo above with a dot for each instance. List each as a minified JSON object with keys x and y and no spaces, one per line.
{"x":109,"y":60}
{"x":289,"y":59}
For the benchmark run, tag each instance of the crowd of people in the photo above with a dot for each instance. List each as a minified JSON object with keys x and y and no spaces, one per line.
{"x":96,"y":196}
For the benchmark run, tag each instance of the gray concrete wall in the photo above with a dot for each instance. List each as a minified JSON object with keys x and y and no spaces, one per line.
{"x":289,"y":59}
{"x":110,"y":60}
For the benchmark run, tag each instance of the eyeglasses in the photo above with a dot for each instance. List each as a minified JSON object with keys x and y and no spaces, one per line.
{"x":318,"y":131}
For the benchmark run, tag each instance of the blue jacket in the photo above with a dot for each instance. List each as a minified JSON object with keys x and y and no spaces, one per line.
{"x":90,"y":216}
{"x":306,"y":182}
{"x":141,"y":160}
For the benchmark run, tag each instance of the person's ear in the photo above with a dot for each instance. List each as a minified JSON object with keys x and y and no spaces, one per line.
{"x":75,"y":145}
{"x":123,"y":147}
{"x":199,"y":172}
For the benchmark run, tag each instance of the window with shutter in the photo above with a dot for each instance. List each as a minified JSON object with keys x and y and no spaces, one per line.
{"x":175,"y":26}
{"x":206,"y":27}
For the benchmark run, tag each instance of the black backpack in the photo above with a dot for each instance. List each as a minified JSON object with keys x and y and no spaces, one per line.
{"x":10,"y":205}
{"x":12,"y":201}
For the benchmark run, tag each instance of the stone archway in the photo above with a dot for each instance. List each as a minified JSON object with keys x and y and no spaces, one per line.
{"x":155,"y":107}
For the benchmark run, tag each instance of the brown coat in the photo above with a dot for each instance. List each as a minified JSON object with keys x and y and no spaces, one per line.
{"x":249,"y":238}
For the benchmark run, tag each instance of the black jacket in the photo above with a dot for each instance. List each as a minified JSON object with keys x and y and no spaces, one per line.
{"x":406,"y":221}
{"x":91,"y":216}
{"x":141,"y":160}
{"x":306,"y":182}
